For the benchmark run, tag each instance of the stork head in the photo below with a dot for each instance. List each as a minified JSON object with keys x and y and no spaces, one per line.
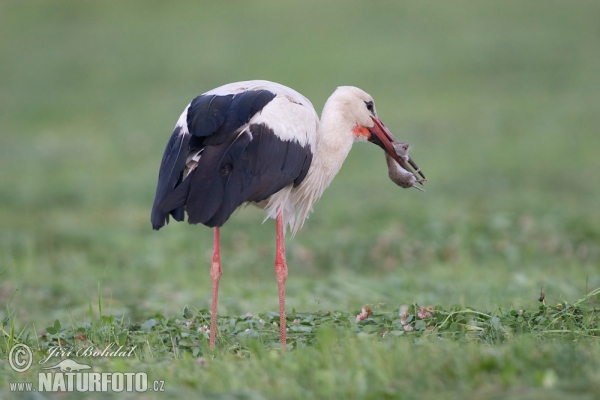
{"x":359,"y":109}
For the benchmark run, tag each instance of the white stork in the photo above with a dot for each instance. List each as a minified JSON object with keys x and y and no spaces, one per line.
{"x":261,"y":142}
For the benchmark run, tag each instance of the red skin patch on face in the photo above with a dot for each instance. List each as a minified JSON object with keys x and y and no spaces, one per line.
{"x":361,"y":131}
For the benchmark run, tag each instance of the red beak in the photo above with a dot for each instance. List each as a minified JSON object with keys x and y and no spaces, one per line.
{"x":381,"y":136}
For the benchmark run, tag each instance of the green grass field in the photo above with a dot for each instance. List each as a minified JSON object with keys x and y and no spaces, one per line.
{"x":500,"y":102}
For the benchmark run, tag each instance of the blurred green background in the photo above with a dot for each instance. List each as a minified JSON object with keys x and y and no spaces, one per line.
{"x":499,"y":100}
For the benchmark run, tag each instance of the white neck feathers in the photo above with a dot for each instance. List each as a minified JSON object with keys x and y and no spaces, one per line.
{"x":334,"y":141}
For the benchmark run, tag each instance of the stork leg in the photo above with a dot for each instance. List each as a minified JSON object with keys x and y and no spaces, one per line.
{"x":281,"y":273}
{"x":215,"y":275}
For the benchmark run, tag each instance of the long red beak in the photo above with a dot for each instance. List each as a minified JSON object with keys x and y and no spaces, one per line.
{"x":381,"y":136}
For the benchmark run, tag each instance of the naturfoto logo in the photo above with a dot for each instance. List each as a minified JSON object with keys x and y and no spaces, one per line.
{"x":67,"y":375}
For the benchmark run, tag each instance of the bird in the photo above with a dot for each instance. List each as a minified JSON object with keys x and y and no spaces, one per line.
{"x":260,"y":142}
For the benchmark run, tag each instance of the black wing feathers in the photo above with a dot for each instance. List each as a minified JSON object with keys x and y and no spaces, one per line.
{"x":173,"y":162}
{"x":210,"y":179}
{"x":304,"y":170}
{"x":214,"y":117}
{"x":268,"y":157}
{"x":207,"y":114}
{"x":236,"y":166}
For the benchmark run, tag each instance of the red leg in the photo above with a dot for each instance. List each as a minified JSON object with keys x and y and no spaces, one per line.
{"x":215,"y":275}
{"x":281,"y":273}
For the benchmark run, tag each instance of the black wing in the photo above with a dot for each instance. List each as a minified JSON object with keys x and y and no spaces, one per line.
{"x":238,"y":163}
{"x":169,"y":176}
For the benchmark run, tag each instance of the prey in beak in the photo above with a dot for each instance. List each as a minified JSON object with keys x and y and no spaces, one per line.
{"x":399,"y":175}
{"x":396,"y":155}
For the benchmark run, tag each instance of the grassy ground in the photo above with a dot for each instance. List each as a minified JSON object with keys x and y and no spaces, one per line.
{"x":499,"y":101}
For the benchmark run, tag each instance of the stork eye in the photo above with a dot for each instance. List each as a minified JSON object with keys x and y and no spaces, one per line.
{"x":369,"y":105}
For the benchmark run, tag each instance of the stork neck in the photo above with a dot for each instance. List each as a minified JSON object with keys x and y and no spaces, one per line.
{"x":334,"y":141}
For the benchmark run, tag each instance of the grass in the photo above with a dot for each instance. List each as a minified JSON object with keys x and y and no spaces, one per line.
{"x":499,"y":102}
{"x":390,"y":351}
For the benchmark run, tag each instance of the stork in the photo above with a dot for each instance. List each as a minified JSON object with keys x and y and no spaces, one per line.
{"x":261,"y":142}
